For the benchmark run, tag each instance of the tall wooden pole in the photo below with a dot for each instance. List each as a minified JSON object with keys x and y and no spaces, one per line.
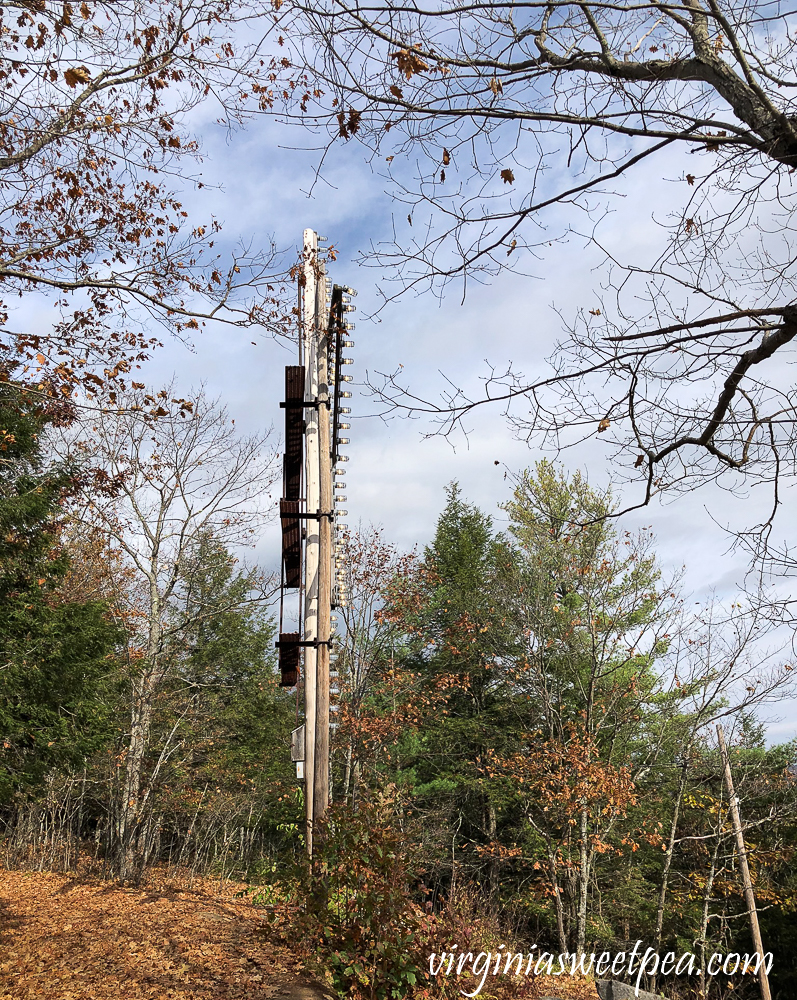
{"x":747,"y":883}
{"x":312,"y":494}
{"x":321,"y":782}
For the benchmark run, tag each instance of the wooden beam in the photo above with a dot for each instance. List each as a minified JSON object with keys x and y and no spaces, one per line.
{"x":310,"y":350}
{"x":291,"y":542}
{"x":294,"y":432}
{"x":321,"y":782}
{"x":747,"y":884}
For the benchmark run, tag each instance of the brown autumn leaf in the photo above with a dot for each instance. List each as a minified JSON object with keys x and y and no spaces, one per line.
{"x":690,"y":179}
{"x":446,"y":157}
{"x":353,"y":123}
{"x":604,"y":425}
{"x":197,"y":938}
{"x":639,"y":460}
{"x":507,"y":176}
{"x":75,"y":75}
{"x":408,"y":62}
{"x":396,"y":91}
{"x":348,"y":124}
{"x":496,"y":86}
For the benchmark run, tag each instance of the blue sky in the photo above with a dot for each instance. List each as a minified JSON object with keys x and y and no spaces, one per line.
{"x":397,"y":473}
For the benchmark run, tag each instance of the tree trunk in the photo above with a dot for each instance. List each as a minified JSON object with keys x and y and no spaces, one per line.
{"x":557,"y":898}
{"x":665,"y":874}
{"x":131,"y":814}
{"x":347,"y":774}
{"x":492,"y":867}
{"x":705,"y":915}
{"x":583,"y":883}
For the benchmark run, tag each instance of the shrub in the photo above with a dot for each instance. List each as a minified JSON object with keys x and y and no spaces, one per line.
{"x":361,"y":928}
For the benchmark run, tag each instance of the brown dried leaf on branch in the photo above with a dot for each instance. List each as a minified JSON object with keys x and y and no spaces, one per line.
{"x":86,"y":213}
{"x":76,"y":75}
{"x":408,"y":62}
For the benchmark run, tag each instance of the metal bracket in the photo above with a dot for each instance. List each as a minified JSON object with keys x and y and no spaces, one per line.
{"x":298,"y":404}
{"x":312,"y":517}
{"x":315,"y":643}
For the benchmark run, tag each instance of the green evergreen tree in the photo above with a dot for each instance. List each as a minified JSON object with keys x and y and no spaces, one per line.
{"x":228,"y":664}
{"x":596,"y":618}
{"x":54,"y":654}
{"x":459,"y":634}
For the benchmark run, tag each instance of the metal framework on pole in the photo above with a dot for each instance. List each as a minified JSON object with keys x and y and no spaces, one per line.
{"x":315,"y":395}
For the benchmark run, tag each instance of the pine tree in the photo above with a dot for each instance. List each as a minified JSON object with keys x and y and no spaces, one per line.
{"x":54,"y":653}
{"x":460,"y":636}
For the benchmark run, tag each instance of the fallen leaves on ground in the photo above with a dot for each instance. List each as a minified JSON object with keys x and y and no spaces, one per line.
{"x":64,"y":938}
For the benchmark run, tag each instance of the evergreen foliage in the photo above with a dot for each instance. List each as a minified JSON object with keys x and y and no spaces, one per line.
{"x":54,"y":654}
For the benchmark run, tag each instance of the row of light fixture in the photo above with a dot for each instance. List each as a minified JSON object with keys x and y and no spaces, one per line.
{"x":338,"y":379}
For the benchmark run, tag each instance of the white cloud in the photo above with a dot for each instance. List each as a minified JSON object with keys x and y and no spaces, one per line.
{"x":395,"y":477}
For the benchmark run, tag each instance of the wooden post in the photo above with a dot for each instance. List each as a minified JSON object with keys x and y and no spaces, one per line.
{"x":312,"y":494}
{"x":747,"y":884}
{"x":321,"y":781}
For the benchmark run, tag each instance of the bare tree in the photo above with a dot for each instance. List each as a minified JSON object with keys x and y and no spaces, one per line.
{"x":96,"y":154}
{"x":365,"y":648}
{"x":168,"y":483}
{"x":505,"y":126}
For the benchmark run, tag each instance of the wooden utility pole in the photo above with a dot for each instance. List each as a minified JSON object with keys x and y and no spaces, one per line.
{"x":321,"y":776}
{"x":314,"y":389}
{"x":747,"y":884}
{"x":310,"y":315}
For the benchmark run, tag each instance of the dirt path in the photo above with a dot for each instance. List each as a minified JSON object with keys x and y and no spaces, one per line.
{"x":68,"y":939}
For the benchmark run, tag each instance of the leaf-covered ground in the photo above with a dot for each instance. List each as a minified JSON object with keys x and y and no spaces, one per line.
{"x":63,"y":938}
